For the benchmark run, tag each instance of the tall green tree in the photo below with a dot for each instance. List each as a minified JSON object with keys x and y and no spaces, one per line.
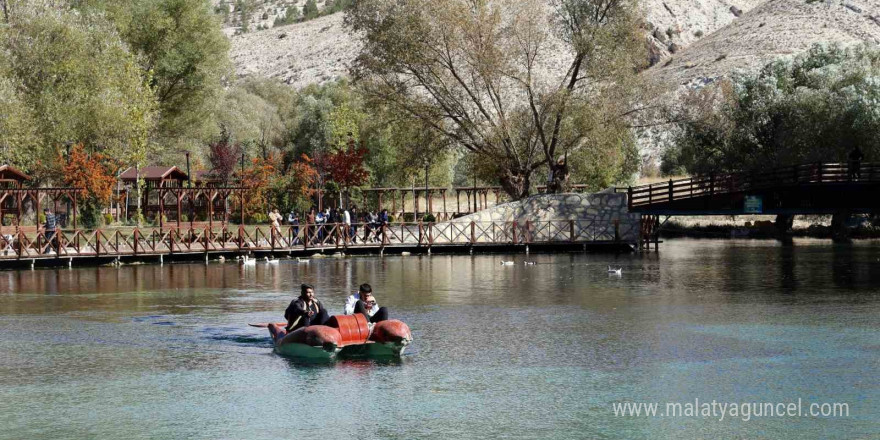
{"x":815,"y":107}
{"x":78,"y":82}
{"x":481,"y":74}
{"x":181,"y":45}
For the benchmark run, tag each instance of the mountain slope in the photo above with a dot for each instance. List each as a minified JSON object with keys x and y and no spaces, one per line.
{"x":775,"y":28}
{"x":321,"y":49}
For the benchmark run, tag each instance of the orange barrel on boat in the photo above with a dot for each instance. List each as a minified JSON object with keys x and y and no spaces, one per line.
{"x":353,"y":328}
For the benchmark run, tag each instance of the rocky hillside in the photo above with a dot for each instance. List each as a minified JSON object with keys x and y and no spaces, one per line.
{"x":775,"y":28}
{"x":319,"y":50}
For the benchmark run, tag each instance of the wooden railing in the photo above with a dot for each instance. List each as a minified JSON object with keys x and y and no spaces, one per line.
{"x":155,"y":241}
{"x":699,"y":186}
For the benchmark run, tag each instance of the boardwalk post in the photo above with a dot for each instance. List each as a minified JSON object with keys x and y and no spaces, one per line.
{"x":650,"y":193}
{"x":420,"y":232}
{"x":528,"y":233}
{"x":161,"y":208}
{"x":571,"y":231}
{"x":135,"y":242}
{"x":670,"y":190}
{"x":473,"y":233}
{"x":514,"y":232}
{"x":629,"y":198}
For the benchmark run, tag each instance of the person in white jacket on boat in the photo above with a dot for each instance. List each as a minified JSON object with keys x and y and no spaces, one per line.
{"x":364,"y":302}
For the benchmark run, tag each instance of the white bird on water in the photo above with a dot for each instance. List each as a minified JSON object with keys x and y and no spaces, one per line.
{"x":302,"y":260}
{"x":248,"y":261}
{"x":530,"y":263}
{"x":507,"y":263}
{"x":271,"y":261}
{"x":617,"y":271}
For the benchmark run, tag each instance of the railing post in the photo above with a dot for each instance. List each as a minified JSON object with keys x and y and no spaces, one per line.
{"x":473,"y":233}
{"x":135,"y":242}
{"x":670,"y":190}
{"x":650,"y":193}
{"x":514,"y":232}
{"x":384,"y":234}
{"x":528,"y":231}
{"x":420,"y":233}
{"x":571,"y":231}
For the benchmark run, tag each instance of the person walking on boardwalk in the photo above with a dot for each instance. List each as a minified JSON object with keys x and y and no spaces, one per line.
{"x":855,"y":163}
{"x":364,"y":302}
{"x":49,"y":229}
{"x":306,"y":310}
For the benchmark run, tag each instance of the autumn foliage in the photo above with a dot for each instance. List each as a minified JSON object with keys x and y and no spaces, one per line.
{"x":346,"y":166}
{"x":257,"y":179}
{"x":223,"y":156}
{"x":95,"y":173}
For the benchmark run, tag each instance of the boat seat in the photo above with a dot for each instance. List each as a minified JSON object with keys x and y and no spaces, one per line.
{"x":353,"y":328}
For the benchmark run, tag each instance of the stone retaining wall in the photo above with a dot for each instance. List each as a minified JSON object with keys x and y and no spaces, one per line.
{"x":594,"y":214}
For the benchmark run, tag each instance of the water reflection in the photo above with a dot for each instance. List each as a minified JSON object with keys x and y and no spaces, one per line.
{"x":741,"y":320}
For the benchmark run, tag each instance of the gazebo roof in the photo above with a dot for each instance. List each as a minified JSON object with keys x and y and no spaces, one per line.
{"x":153,"y":173}
{"x":8,"y":172}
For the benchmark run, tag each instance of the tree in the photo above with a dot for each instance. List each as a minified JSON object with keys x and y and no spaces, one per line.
{"x":181,"y":45}
{"x":95,"y":174}
{"x":78,"y":81}
{"x":258,"y":178}
{"x":346,"y":166}
{"x":223,"y":156}
{"x":814,"y":107}
{"x":310,"y":10}
{"x":480,"y":73}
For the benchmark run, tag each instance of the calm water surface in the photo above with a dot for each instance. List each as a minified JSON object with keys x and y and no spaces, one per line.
{"x":514,"y":352}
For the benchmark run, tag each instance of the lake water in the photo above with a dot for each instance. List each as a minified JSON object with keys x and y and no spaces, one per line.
{"x":513,"y":352}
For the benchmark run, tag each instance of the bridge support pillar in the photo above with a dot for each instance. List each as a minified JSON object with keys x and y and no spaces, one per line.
{"x":839,"y":232}
{"x":784,"y":223}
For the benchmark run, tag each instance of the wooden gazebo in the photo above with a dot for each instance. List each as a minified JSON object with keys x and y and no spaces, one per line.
{"x":154,"y":177}
{"x":11,"y":177}
{"x":15,"y":196}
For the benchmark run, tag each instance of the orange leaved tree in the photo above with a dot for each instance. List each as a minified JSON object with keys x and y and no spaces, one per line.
{"x":95,"y":174}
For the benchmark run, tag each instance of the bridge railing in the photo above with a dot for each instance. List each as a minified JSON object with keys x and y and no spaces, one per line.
{"x":169,"y":241}
{"x":697,"y":186}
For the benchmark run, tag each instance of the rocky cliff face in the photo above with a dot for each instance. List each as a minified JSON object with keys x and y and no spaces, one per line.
{"x":773,"y":29}
{"x":321,"y":50}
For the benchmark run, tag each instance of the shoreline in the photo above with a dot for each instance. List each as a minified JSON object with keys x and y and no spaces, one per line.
{"x":757,"y":227}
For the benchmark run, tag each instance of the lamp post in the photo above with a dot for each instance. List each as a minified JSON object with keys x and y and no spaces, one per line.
{"x":427,"y":193}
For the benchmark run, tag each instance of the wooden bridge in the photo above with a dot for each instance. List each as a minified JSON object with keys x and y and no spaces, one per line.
{"x":203,"y":241}
{"x":818,"y":188}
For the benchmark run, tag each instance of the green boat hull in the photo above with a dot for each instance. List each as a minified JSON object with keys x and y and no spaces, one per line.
{"x":372,"y":350}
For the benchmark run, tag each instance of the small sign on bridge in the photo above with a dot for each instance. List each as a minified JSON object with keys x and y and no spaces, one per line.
{"x":753,"y":205}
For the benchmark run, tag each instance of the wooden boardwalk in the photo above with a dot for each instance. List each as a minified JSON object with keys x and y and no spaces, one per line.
{"x":143,"y":243}
{"x":815,"y":188}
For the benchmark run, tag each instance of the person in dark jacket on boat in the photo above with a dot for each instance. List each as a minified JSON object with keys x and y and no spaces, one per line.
{"x":305,"y":310}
